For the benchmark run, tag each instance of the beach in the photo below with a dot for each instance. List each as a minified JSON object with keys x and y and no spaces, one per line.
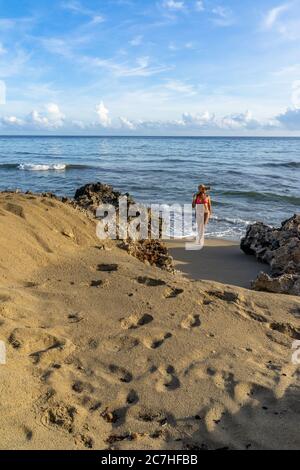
{"x":107,"y":352}
{"x":220,"y":260}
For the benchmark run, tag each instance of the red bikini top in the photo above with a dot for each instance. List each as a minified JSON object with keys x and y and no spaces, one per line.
{"x":200,"y":200}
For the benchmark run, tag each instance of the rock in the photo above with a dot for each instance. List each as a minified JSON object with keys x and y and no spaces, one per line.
{"x":151,"y":251}
{"x":92,"y":195}
{"x":280,"y":248}
{"x":284,"y":284}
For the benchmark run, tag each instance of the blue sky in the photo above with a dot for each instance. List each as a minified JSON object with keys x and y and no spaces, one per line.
{"x":150,"y":67}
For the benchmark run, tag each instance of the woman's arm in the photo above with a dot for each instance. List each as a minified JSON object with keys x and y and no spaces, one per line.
{"x":209,"y":205}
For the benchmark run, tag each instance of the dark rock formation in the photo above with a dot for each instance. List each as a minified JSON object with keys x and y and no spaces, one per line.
{"x":154,"y":252}
{"x":92,"y":195}
{"x":280,"y":248}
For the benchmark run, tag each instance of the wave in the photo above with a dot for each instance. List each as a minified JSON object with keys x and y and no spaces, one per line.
{"x":44,"y":166}
{"x":230,"y":221}
{"x":294,"y":200}
{"x":41,"y":167}
{"x":282,"y":165}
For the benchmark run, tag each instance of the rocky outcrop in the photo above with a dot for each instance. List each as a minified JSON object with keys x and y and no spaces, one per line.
{"x":284,"y":284}
{"x":90,"y":196}
{"x":280,"y":248}
{"x":150,"y":251}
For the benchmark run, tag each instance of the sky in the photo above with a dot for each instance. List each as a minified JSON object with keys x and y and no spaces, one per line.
{"x":150,"y":67}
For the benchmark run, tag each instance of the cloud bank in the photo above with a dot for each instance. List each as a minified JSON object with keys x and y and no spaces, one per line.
{"x":52,"y":119}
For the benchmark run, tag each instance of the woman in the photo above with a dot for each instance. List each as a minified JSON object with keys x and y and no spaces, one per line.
{"x":202,"y":204}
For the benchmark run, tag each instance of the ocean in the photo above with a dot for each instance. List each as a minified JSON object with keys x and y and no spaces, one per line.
{"x":251,"y":179}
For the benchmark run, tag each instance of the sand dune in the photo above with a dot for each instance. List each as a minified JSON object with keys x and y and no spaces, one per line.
{"x":106,"y":352}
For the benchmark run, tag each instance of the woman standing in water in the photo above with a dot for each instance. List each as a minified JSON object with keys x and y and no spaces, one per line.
{"x":202,"y":204}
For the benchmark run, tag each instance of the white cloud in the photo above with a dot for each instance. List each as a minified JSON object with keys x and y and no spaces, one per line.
{"x":12,"y":121}
{"x":284,"y":20}
{"x":172,"y":46}
{"x":174,"y":5}
{"x":197,"y":122}
{"x":49,"y":119}
{"x":127,"y":124}
{"x":142,"y":69}
{"x":54,"y":114}
{"x":290,"y":119}
{"x":274,"y":14}
{"x":14,"y":65}
{"x":136,"y":41}
{"x":143,"y":62}
{"x":223,"y":16}
{"x":180,"y":87}
{"x":240,"y":121}
{"x":199,"y":5}
{"x":76,"y":7}
{"x":103,"y":115}
{"x":203,"y":120}
{"x":296,"y":94}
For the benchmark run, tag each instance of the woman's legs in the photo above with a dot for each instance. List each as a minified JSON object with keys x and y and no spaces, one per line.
{"x":200,"y":225}
{"x":206,"y":218}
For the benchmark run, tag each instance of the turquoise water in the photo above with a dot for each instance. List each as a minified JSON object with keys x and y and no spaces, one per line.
{"x":251,"y":178}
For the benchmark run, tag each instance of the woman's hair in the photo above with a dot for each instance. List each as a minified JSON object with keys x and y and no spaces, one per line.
{"x":205,"y":188}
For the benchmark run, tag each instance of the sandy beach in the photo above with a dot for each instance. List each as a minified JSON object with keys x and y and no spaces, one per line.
{"x":105,"y":352}
{"x":220,"y":260}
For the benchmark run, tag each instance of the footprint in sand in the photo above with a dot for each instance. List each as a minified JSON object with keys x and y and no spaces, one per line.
{"x":135,"y":321}
{"x":157,"y":342}
{"x":122,"y":343}
{"x":79,"y":387}
{"x":84,"y":440}
{"x":115,"y":374}
{"x":98,"y":283}
{"x":296,"y":312}
{"x":286,"y":329}
{"x":225,"y":381}
{"x":132,"y":398}
{"x":61,"y":416}
{"x":37,"y":344}
{"x":156,"y":416}
{"x":172,"y":292}
{"x":191,"y":321}
{"x":256,"y":316}
{"x":213,"y":417}
{"x":108,"y":268}
{"x":227,"y":296}
{"x":169,"y":380}
{"x":29,"y":284}
{"x":151,"y":282}
{"x":93,"y":343}
{"x":28,"y":433}
{"x":4,"y":298}
{"x":15,"y":209}
{"x":74,"y":318}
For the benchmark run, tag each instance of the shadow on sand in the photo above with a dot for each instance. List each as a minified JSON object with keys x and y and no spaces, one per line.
{"x":225,"y":263}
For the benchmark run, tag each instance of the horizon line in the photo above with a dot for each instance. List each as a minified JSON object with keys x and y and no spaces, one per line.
{"x":157,"y":136}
